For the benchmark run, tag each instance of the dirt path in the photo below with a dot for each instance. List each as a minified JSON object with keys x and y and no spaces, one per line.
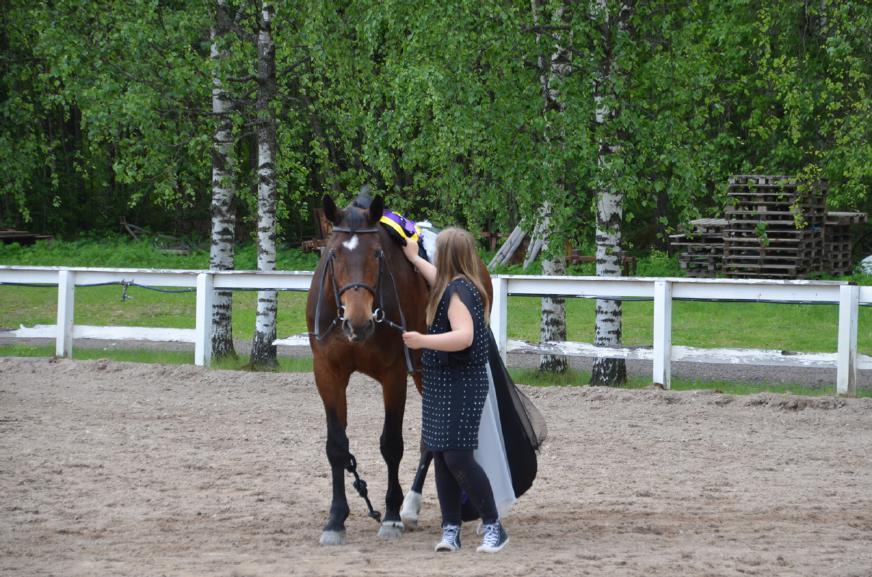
{"x":126,"y":469}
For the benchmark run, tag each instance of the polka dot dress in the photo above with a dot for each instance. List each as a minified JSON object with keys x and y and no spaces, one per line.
{"x":455,"y":384}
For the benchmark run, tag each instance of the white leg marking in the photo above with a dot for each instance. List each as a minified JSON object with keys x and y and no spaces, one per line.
{"x":410,"y":509}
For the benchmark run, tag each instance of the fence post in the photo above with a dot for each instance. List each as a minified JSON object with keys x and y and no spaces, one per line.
{"x":66,"y":313}
{"x":846,"y":365}
{"x":203,"y":333}
{"x":499,"y":313}
{"x":663,"y":333}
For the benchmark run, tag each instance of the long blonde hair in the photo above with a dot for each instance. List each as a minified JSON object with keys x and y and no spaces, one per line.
{"x":456,"y":256}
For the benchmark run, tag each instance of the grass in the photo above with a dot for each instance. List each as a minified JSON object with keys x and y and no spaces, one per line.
{"x":143,"y":307}
{"x":805,"y":328}
{"x":576,"y":378}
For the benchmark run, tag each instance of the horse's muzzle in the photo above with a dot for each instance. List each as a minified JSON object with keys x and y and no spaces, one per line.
{"x":358,"y":333}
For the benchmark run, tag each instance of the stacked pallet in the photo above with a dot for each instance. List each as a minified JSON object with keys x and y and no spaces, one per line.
{"x":775,"y":227}
{"x":702,"y":248}
{"x":22,"y":237}
{"x":838,"y":241}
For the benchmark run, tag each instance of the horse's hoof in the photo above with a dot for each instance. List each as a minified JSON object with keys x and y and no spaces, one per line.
{"x":410,"y":509}
{"x":333,"y":538}
{"x":391,"y":530}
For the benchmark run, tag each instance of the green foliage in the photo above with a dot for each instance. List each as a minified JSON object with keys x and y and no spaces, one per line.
{"x":658,"y":263}
{"x":105,"y":109}
{"x":108,"y":103}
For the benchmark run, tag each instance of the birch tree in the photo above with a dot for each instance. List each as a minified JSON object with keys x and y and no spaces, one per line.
{"x":609,"y":200}
{"x":553,"y":70}
{"x":263,"y":352}
{"x":221,"y":254}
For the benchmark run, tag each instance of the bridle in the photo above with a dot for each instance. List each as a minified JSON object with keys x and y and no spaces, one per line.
{"x":378,"y":315}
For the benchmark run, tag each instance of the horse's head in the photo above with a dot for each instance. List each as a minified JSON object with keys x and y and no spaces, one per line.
{"x":357,"y":253}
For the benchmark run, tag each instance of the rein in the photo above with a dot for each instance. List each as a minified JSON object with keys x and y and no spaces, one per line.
{"x":378,"y":314}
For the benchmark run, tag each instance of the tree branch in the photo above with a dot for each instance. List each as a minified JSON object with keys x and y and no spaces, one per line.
{"x":304,"y":60}
{"x":246,"y":78}
{"x":538,"y":28}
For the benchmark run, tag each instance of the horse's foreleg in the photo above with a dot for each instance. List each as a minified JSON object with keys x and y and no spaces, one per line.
{"x":338,"y":456}
{"x":412,"y":503}
{"x":391,"y":444}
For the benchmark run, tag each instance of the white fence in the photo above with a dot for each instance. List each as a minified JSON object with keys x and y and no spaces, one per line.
{"x":661,"y":290}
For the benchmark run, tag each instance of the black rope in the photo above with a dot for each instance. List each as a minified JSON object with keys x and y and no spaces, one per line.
{"x":122,"y":283}
{"x":360,"y":485}
{"x":162,"y":290}
{"x":26,"y":284}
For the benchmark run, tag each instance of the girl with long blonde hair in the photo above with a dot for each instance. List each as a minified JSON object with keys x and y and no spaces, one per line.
{"x":456,"y":383}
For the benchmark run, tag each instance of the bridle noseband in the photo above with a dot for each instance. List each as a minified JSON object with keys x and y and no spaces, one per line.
{"x":378,"y":315}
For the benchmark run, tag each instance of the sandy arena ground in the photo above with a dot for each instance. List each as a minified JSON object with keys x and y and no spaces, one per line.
{"x":145,"y":470}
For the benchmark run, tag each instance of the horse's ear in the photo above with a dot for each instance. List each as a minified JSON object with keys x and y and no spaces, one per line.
{"x":376,"y":210}
{"x":330,"y":210}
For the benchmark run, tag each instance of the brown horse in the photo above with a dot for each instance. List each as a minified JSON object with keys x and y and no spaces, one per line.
{"x":363,"y":294}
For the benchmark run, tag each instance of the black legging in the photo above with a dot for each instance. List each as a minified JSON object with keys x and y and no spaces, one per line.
{"x":456,"y":471}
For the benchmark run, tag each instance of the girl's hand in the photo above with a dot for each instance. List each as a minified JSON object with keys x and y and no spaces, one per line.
{"x":414,"y":339}
{"x":427,"y":270}
{"x":411,"y":250}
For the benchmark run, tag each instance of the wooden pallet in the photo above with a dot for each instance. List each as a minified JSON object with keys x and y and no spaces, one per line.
{"x":775,"y":227}
{"x":708,"y":225}
{"x":708,"y":267}
{"x":701,"y":249}
{"x":839,"y":241}
{"x":22,"y":237}
{"x":845,"y":218}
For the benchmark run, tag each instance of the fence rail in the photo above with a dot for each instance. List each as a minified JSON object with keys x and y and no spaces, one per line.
{"x":663,"y":291}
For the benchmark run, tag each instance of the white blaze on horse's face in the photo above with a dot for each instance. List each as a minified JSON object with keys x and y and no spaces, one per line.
{"x":351,"y":243}
{"x":357,"y":276}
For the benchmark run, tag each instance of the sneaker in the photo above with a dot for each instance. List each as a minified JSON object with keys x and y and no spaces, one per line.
{"x":495,"y":538}
{"x":450,"y":538}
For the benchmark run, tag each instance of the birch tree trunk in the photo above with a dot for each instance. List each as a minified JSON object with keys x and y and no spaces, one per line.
{"x":221,"y":255}
{"x":553,"y":327}
{"x":263,"y":352}
{"x":609,"y":218}
{"x":551,"y":73}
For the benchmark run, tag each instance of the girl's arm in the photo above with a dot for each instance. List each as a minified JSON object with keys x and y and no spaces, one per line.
{"x":458,"y":338}
{"x":427,"y":270}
